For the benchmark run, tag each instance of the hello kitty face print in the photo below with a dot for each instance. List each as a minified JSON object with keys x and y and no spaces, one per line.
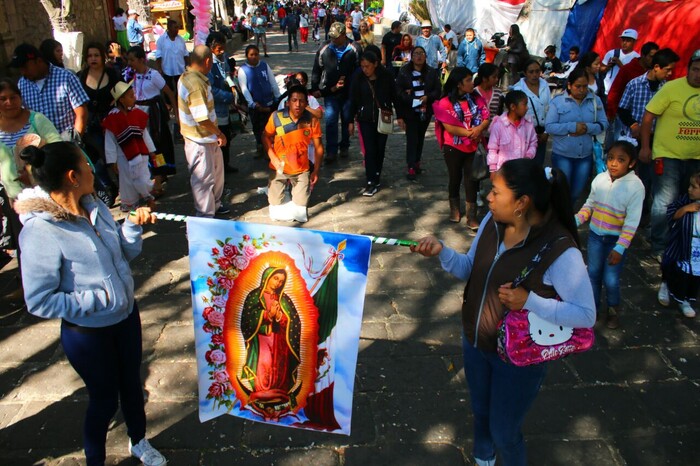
{"x":545,"y":333}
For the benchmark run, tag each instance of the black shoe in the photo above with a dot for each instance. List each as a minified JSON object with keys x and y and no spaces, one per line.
{"x":223,"y":210}
{"x":267,"y":56}
{"x":411,"y":176}
{"x":230,"y":169}
{"x":344,"y":152}
{"x":329,"y":159}
{"x":370,"y":190}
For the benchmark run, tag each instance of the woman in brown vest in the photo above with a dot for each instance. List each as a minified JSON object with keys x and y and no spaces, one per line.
{"x":529,"y":208}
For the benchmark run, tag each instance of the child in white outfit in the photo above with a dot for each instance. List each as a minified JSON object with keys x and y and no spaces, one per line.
{"x":129,"y":145}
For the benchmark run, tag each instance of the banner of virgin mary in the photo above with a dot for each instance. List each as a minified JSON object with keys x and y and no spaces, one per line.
{"x":277,"y":317}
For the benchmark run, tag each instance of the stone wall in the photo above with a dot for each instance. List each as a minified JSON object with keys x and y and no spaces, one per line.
{"x":27,"y":21}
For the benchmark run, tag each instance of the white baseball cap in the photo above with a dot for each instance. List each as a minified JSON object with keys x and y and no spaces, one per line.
{"x":630,"y":33}
{"x":132,"y":12}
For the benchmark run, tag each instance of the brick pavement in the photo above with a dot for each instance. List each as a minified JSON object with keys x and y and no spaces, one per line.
{"x":632,"y":400}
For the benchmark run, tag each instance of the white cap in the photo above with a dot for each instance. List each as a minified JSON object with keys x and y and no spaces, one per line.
{"x":630,"y":33}
{"x":132,"y":12}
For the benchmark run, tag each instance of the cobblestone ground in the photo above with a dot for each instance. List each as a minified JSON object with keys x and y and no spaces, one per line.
{"x":632,"y":400}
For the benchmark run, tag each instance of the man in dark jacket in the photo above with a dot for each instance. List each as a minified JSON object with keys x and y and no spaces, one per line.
{"x":334,"y":65}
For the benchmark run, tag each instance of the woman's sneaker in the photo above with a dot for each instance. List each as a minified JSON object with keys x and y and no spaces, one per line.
{"x":663,"y":296}
{"x":370,"y":190}
{"x":148,"y":455}
{"x":687,"y":309}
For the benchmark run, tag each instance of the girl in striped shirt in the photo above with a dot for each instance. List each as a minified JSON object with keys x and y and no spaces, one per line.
{"x":614,"y":207}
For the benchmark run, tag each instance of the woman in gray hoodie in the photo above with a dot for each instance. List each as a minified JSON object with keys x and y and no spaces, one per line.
{"x":75,"y":261}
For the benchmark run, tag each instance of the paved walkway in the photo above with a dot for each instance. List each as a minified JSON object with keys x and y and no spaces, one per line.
{"x":632,"y":400}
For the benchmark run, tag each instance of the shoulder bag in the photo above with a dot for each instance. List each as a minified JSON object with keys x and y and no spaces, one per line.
{"x":525,"y":338}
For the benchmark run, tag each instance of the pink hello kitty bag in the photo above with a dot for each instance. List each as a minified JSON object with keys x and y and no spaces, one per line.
{"x":525,"y":338}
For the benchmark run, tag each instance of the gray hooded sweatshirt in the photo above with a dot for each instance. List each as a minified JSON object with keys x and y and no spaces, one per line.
{"x":72,"y":268}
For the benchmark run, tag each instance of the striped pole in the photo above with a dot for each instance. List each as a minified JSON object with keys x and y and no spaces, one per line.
{"x":374,"y":239}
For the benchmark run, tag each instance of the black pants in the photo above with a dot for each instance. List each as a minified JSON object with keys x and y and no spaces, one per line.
{"x":292,"y":36}
{"x":259,"y":119}
{"x":415,"y":137}
{"x":171,"y":81}
{"x":374,"y":144}
{"x":459,"y":165}
{"x":108,"y":359}
{"x":228,"y":133}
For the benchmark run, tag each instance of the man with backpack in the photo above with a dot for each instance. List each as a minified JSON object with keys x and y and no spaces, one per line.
{"x":616,"y":58}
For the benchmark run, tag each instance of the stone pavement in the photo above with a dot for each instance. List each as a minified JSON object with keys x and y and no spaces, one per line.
{"x":631,"y":400}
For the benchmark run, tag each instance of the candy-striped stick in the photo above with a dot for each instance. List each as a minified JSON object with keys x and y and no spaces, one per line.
{"x":374,"y":239}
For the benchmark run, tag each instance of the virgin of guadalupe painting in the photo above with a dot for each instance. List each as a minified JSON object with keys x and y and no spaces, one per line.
{"x":277,"y":318}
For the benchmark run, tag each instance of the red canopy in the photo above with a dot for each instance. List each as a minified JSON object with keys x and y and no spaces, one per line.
{"x":674,"y":24}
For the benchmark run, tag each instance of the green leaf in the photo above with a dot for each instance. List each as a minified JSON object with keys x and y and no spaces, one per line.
{"x":220,"y":243}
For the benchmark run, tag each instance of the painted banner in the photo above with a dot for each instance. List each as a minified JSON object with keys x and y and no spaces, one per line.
{"x":277,"y":318}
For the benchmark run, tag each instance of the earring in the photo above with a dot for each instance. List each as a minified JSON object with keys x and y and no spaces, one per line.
{"x":518,"y":213}
{"x":76,"y":185}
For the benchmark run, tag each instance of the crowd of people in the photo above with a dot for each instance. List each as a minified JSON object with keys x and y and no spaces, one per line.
{"x":72,"y":145}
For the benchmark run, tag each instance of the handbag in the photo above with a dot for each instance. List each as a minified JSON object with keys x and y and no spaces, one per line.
{"x":524,"y":338}
{"x":480,"y":166}
{"x":385,"y":121}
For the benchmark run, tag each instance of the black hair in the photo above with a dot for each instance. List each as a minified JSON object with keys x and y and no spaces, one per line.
{"x":525,"y":177}
{"x":626,"y":147}
{"x":215,"y":38}
{"x":578,"y":73}
{"x":575,"y":48}
{"x":516,"y":30}
{"x":47,"y":49}
{"x":99,"y":46}
{"x":298,"y":89}
{"x":304,"y":75}
{"x":664,"y":57}
{"x":6,"y":83}
{"x":514,"y":98}
{"x":448,"y":27}
{"x":648,"y":47}
{"x":370,"y":56}
{"x":532,"y":61}
{"x":118,"y":12}
{"x":485,"y":70}
{"x":137,"y":51}
{"x":395,"y":24}
{"x":551,"y":48}
{"x":51,"y":163}
{"x":587,"y":59}
{"x":251,"y":47}
{"x":456,"y":76}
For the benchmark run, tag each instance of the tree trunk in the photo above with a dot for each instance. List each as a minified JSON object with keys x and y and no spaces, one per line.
{"x":60,"y":15}
{"x":141,"y":6}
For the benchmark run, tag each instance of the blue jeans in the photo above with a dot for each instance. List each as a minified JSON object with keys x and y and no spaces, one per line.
{"x":600,"y":272}
{"x":666,"y":188}
{"x":501,"y":394}
{"x":577,"y":172}
{"x":336,"y":107}
{"x":108,"y":359}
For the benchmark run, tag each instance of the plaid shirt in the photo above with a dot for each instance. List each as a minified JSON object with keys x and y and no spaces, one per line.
{"x":637,"y":95}
{"x":57,"y":99}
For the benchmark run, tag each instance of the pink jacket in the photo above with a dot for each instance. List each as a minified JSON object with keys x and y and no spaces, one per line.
{"x":508,"y":142}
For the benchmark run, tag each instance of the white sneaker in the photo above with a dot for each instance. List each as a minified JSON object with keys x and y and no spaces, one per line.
{"x":148,"y":455}
{"x":687,"y":309}
{"x":662,"y":296}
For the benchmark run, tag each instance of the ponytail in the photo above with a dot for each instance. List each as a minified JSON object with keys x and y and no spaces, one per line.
{"x":560,"y":200}
{"x":50,"y":163}
{"x":546,"y":188}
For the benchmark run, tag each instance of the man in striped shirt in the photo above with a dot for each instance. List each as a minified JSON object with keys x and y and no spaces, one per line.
{"x":203,"y":137}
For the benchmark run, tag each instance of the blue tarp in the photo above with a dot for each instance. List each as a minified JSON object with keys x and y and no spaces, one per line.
{"x":582,"y":26}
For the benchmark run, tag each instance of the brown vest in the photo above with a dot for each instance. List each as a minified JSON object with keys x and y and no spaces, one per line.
{"x":481,"y":309}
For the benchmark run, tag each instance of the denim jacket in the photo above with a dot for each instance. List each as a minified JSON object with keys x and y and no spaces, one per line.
{"x":563,"y":114}
{"x":223,"y":97}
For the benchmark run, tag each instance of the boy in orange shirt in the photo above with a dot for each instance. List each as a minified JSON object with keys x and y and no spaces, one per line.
{"x":286,"y":138}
